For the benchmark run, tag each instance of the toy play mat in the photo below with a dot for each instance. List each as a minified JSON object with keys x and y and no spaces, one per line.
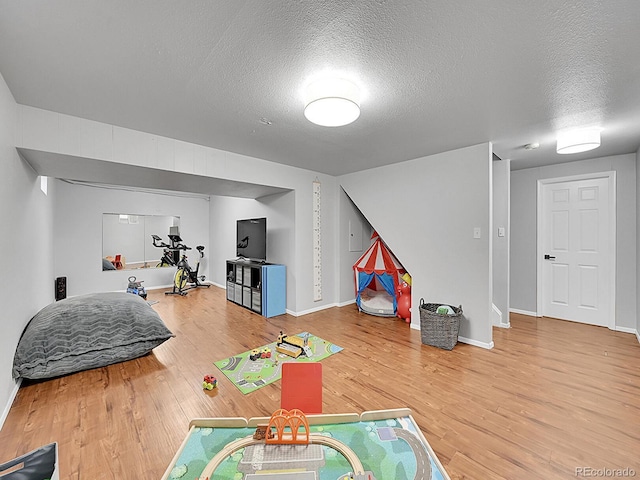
{"x":249,"y":375}
{"x":380,"y":445}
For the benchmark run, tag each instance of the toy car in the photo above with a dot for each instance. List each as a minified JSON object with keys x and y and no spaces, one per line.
{"x":136,"y":287}
{"x":210,"y":382}
{"x":255,"y":354}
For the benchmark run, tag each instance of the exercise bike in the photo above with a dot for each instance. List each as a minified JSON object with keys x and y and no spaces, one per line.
{"x":186,"y":275}
{"x":168,"y":258}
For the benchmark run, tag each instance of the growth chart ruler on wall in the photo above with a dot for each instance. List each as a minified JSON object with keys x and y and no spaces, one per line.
{"x":317,"y":241}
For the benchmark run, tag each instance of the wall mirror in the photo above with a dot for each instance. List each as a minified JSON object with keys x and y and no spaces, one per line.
{"x":127,"y":242}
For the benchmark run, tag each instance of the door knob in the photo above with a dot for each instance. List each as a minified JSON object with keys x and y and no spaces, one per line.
{"x":549,"y":257}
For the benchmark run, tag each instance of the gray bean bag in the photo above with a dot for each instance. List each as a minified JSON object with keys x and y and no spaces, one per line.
{"x":87,"y":331}
{"x":107,"y":265}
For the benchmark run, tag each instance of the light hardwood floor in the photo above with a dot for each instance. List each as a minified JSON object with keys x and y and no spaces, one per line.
{"x":552,"y":396}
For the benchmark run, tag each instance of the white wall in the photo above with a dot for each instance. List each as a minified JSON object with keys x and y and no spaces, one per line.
{"x":279,"y":211}
{"x":523,"y":241}
{"x":78,"y":234}
{"x":523,"y":228}
{"x":124,"y":238}
{"x":426,"y":211}
{"x":26,"y":243}
{"x":637,"y":247}
{"x":501,"y":172}
{"x":63,"y":134}
{"x":352,"y":223}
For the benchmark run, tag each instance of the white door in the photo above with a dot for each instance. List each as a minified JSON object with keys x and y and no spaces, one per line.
{"x":577,"y":248}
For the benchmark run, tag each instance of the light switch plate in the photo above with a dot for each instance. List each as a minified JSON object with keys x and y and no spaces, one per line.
{"x":476,"y":232}
{"x":501,"y":231}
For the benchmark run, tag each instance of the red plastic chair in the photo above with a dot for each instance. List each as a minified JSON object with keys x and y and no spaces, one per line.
{"x":302,"y":387}
{"x":117,"y":262}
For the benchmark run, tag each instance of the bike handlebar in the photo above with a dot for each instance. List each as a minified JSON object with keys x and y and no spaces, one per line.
{"x":177,"y":246}
{"x":157,"y":239}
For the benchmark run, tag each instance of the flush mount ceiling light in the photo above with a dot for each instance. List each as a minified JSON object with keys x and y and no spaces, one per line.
{"x":332,"y":102}
{"x":577,"y":141}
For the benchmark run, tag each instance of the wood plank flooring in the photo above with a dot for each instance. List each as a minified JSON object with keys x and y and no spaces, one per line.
{"x":552,"y":396}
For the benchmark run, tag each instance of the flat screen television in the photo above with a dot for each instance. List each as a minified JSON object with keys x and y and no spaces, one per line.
{"x":251,"y":239}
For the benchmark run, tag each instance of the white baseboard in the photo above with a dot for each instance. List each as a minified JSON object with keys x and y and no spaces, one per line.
{"x":629,"y":330}
{"x":12,"y":397}
{"x":312,"y":310}
{"x":170,"y":285}
{"x":523,"y":312}
{"x":503,"y":325}
{"x":498,"y":318}
{"x":348,"y":302}
{"x":155,"y":287}
{"x":476,"y":343}
{"x":323,"y":307}
{"x":626,"y":330}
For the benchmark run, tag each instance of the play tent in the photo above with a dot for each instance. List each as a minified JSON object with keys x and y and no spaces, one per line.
{"x":377,"y":276}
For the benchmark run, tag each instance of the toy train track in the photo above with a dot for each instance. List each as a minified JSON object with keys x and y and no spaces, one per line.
{"x":232,"y":447}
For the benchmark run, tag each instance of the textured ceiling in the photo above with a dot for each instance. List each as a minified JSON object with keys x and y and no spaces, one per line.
{"x":435,"y":75}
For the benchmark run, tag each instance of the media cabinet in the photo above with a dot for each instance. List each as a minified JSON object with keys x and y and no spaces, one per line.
{"x":261,"y":287}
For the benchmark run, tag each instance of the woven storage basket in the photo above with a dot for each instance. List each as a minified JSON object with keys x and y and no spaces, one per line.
{"x":439,"y":330}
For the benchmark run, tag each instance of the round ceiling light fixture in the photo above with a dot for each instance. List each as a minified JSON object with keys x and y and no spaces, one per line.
{"x":332,"y":102}
{"x":577,"y":141}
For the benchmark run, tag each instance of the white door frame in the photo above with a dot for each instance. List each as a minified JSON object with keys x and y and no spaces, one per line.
{"x":611,"y":176}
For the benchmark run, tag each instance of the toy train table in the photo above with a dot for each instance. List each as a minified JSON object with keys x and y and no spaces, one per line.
{"x":376,"y":445}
